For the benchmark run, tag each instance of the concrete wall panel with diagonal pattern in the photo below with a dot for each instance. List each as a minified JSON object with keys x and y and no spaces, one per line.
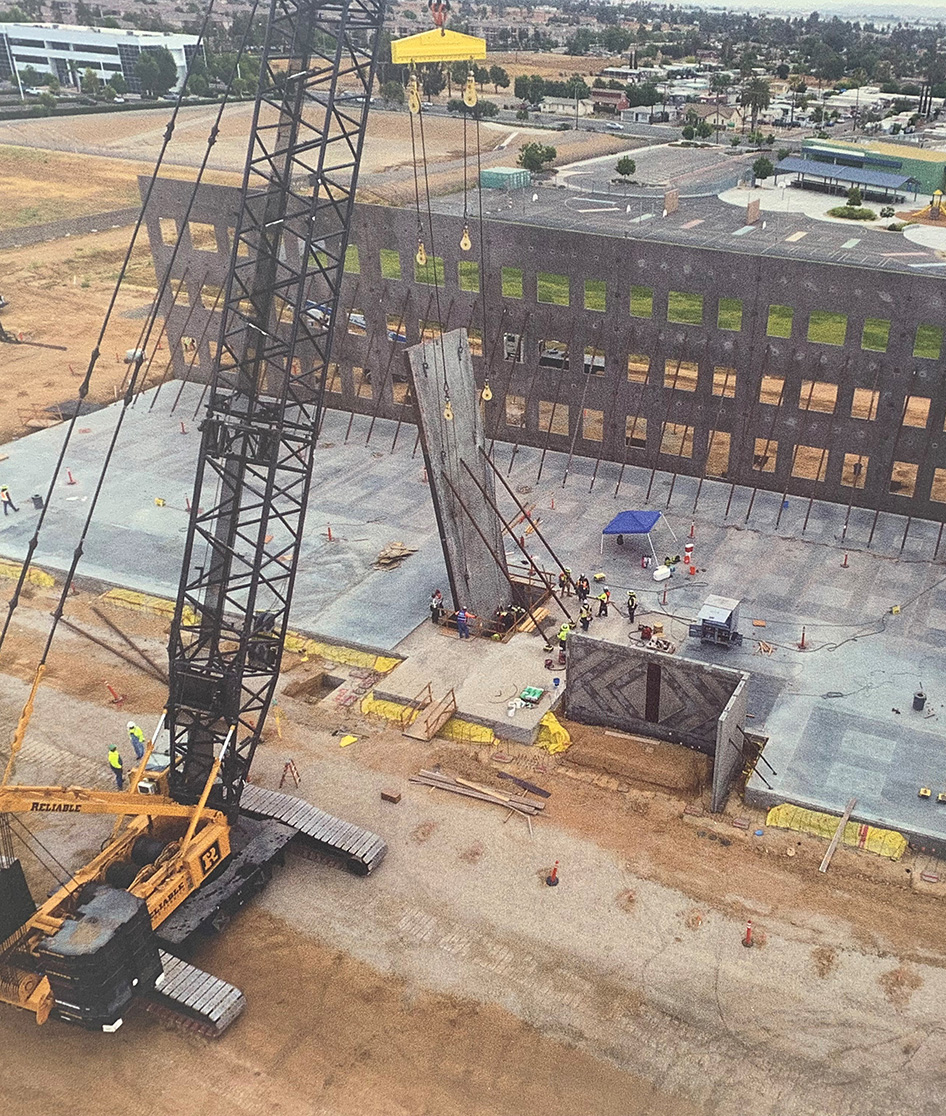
{"x":680,"y":700}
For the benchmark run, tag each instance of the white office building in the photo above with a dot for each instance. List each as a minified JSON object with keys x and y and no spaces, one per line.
{"x":67,"y":52}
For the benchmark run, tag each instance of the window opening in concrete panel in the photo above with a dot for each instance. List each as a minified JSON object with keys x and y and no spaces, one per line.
{"x":468,"y":275}
{"x":929,"y":342}
{"x":397,"y":328}
{"x":429,"y":331}
{"x":642,"y":302}
{"x":685,"y":308}
{"x":357,"y":325}
{"x":169,"y":231}
{"x":430,"y":273}
{"x":553,"y":354}
{"x":553,"y":418}
{"x":390,"y":263}
{"x":770,"y":390}
{"x":810,"y":463}
{"x":243,"y":248}
{"x":210,"y":293}
{"x":203,"y":236}
{"x":362,"y":381}
{"x":780,"y":321}
{"x":475,"y":339}
{"x":682,"y":375}
{"x":864,"y":404}
{"x":818,"y":395}
{"x":825,"y":327}
{"x":854,"y":470}
{"x":352,"y":262}
{"x":594,"y":361}
{"x":876,"y":335}
{"x":180,"y":293}
{"x":515,"y":410}
{"x":724,"y":382}
{"x":903,"y":478}
{"x":729,"y":315}
{"x":334,"y":379}
{"x":512,"y":347}
{"x":592,"y":425}
{"x":916,"y":411}
{"x":635,"y":431}
{"x":512,"y":282}
{"x":764,"y":455}
{"x":638,"y":365}
{"x":717,"y":453}
{"x":676,"y":439}
{"x":938,"y":488}
{"x":596,"y":294}
{"x":401,"y":388}
{"x":551,"y":288}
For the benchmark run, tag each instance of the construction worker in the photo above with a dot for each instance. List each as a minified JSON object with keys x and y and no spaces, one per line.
{"x":464,"y":616}
{"x":583,"y":588}
{"x":7,"y":500}
{"x":631,"y":605}
{"x":436,"y":606}
{"x":115,"y":763}
{"x":603,"y":597}
{"x":565,"y":582}
{"x":137,"y":738}
{"x":563,"y":633}
{"x":584,"y":617}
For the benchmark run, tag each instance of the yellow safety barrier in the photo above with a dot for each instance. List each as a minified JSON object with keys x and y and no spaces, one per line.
{"x":337,"y":653}
{"x":388,"y":710}
{"x":145,"y":602}
{"x":455,"y":729}
{"x":884,"y":842}
{"x":467,"y":731}
{"x":552,"y":735}
{"x":34,"y":575}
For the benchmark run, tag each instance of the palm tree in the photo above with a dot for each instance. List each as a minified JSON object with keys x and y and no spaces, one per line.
{"x":719,"y":83}
{"x":756,"y":95}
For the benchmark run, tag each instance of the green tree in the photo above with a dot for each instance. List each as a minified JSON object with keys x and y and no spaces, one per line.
{"x":734,"y":141}
{"x":704,"y":130}
{"x":625,"y":166}
{"x":48,"y":101}
{"x":762,"y":168}
{"x":90,"y":83}
{"x":148,"y":74}
{"x":533,"y":156}
{"x":522,"y":114}
{"x":581,"y":42}
{"x":756,"y":95}
{"x":689,"y":132}
{"x":432,"y":80}
{"x":854,"y":196}
{"x":498,"y":77}
{"x":108,"y":92}
{"x":30,"y":76}
{"x":615,"y":40}
{"x":480,"y":76}
{"x":167,"y":68}
{"x":782,"y":153}
{"x":392,"y":93}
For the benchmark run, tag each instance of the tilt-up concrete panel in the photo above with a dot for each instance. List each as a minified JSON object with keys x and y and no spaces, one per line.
{"x":449,"y":411}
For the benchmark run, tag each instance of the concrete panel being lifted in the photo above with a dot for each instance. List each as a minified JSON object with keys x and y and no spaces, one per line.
{"x":449,"y":410}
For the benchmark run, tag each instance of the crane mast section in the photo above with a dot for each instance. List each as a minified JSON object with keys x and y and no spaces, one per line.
{"x":265,"y":402}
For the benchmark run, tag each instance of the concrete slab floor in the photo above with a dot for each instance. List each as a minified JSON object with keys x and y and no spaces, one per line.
{"x":824,"y":708}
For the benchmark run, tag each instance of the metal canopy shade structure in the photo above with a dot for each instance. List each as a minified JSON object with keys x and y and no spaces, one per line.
{"x":636,"y":523}
{"x":835,"y":172}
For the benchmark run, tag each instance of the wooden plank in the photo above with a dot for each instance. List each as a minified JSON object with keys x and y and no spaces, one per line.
{"x":525,"y":784}
{"x":838,"y":834}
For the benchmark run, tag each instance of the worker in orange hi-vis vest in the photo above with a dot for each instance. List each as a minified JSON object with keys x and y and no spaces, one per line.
{"x":7,"y":500}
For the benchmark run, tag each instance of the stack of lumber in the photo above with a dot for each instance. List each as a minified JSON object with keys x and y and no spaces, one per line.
{"x":457,"y":785}
{"x":393,"y":555}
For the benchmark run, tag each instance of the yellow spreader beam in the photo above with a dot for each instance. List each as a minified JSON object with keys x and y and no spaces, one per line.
{"x":437,"y":46}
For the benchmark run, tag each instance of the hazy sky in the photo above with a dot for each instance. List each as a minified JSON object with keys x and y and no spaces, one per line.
{"x":849,"y":9}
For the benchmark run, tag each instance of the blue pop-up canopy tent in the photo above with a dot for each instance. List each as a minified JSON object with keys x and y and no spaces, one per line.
{"x":635,"y":523}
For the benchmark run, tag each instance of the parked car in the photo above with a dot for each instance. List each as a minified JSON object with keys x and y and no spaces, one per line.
{"x":615,"y":127}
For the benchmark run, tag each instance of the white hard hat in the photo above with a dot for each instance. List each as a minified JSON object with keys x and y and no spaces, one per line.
{"x":131,"y":724}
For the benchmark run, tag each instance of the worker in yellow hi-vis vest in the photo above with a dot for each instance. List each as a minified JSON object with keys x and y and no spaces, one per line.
{"x":115,"y":763}
{"x":137,"y":738}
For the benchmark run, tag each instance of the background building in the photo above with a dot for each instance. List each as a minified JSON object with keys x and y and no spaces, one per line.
{"x":67,"y":52}
{"x":926,"y":166}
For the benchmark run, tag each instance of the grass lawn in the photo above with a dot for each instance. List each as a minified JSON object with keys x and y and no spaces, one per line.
{"x":390,"y":264}
{"x":552,"y":288}
{"x":876,"y":335}
{"x":780,"y":321}
{"x":431,"y":273}
{"x":685,"y":308}
{"x":827,"y":328}
{"x":468,"y":275}
{"x":596,"y":293}
{"x":512,"y":282}
{"x":929,"y":342}
{"x":730,"y":314}
{"x":642,"y":302}
{"x":352,"y":262}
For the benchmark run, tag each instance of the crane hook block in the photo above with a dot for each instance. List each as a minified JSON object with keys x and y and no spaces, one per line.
{"x":437,"y":46}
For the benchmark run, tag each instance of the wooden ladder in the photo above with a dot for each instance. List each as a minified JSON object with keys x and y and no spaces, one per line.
{"x":430,"y":721}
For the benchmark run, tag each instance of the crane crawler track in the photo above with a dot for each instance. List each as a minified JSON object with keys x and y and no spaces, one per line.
{"x":360,"y":850}
{"x":197,"y":1000}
